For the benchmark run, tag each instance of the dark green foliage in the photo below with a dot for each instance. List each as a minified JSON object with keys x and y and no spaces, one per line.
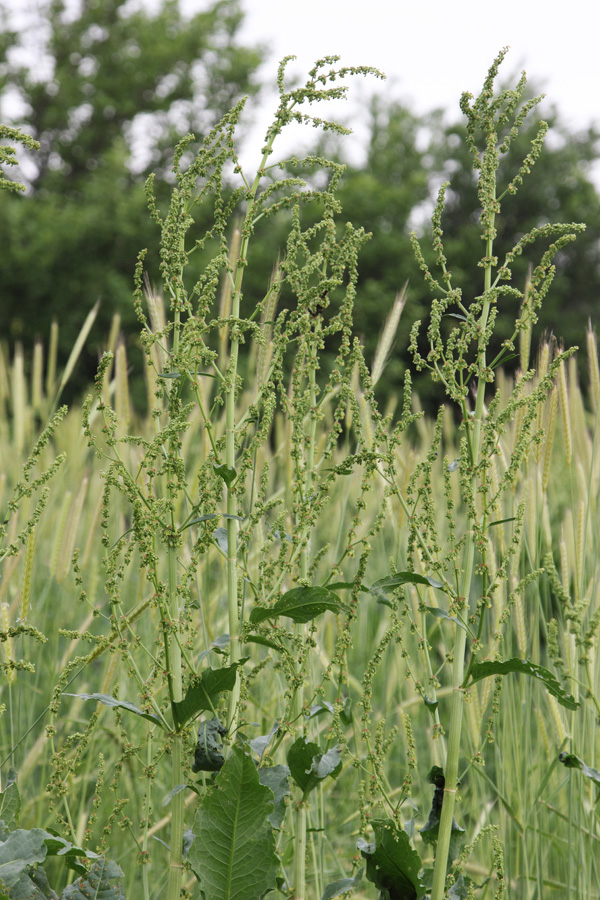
{"x":118,"y":82}
{"x":392,"y":864}
{"x":309,"y":765}
{"x":574,"y":762}
{"x":208,"y":755}
{"x":429,"y":831}
{"x":204,"y":692}
{"x":22,"y":853}
{"x":302,"y":604}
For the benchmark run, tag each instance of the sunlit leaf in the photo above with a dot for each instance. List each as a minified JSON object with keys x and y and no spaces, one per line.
{"x":302,"y":604}
{"x":526,"y":667}
{"x":392,"y":582}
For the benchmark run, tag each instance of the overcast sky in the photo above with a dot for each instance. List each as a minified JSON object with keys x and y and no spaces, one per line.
{"x":433,"y":50}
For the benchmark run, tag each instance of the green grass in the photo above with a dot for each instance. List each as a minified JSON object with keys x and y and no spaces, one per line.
{"x":546,"y":814}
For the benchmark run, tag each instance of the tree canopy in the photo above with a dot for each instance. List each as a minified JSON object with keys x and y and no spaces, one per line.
{"x":107,"y":89}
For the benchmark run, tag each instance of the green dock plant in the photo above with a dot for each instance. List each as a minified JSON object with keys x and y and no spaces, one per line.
{"x":298,"y":603}
{"x":207,"y":464}
{"x":466,"y":562}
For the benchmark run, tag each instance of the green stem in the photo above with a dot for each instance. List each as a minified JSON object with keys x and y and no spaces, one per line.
{"x":458,"y":667}
{"x":230,"y":429}
{"x":174,"y":668}
{"x":300,"y":819}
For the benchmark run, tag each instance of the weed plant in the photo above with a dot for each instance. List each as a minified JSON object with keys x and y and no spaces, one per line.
{"x":307,"y":628}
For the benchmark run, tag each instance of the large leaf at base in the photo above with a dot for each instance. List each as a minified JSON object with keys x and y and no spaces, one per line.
{"x":97,"y":883}
{"x":233,"y":851}
{"x":20,"y":850}
{"x":485,"y":669}
{"x":302,"y":604}
{"x":392,"y":864}
{"x":204,"y":692}
{"x":107,"y":700}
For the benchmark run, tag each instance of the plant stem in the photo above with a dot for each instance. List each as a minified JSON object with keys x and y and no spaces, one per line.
{"x":458,"y":667}
{"x":230,"y":427}
{"x":300,"y":818}
{"x":173,"y":662}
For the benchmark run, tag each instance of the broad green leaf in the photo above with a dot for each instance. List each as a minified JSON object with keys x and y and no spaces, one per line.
{"x":574,"y":762}
{"x":203,"y":693}
{"x":302,"y":604}
{"x":107,"y":700}
{"x":276,"y":778}
{"x":485,"y":669}
{"x":168,"y":375}
{"x":96,"y":883}
{"x":309,"y":765}
{"x":335,"y":888}
{"x":441,"y":614}
{"x":392,"y":864}
{"x":70,"y":853}
{"x":430,"y":830}
{"x":10,"y":801}
{"x":208,"y":755}
{"x":391,"y":582}
{"x":233,"y":851}
{"x":20,"y":849}
{"x":227,"y":473}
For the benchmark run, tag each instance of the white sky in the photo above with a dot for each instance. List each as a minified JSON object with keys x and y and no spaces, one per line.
{"x":433,"y":50}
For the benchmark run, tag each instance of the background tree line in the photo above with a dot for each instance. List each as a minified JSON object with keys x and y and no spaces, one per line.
{"x":108,"y":89}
